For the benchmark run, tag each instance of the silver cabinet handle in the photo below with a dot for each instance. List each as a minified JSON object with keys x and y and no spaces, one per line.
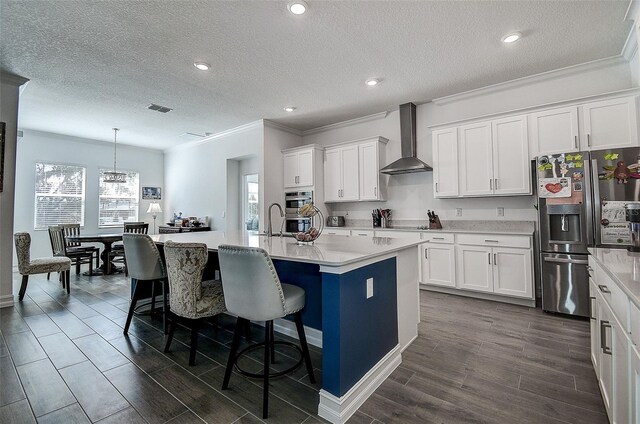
{"x":438,"y":238}
{"x":576,"y":140}
{"x":603,"y":337}
{"x":589,"y":140}
{"x":490,"y":183}
{"x":426,"y":253}
{"x":495,"y":184}
{"x":375,"y":191}
{"x":604,"y":289}
{"x":492,"y":241}
{"x":495,"y":259}
{"x":489,"y":255}
{"x":591,"y":299}
{"x":436,"y":187}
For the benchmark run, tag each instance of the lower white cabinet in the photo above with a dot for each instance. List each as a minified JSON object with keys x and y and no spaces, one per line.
{"x":475,"y":269}
{"x":594,"y":300}
{"x":634,"y":376}
{"x":438,"y":264}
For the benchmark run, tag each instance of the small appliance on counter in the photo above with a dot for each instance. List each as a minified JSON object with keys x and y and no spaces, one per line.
{"x":335,"y":221}
{"x":632,"y":214}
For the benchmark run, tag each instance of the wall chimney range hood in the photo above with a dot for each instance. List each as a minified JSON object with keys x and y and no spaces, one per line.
{"x":408,"y":163}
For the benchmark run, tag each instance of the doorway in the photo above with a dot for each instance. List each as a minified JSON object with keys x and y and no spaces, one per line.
{"x":251,"y":202}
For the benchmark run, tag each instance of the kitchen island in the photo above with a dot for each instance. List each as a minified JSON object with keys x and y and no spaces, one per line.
{"x":362,"y":305}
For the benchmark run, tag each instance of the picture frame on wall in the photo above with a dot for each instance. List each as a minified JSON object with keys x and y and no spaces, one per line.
{"x":2,"y":141}
{"x":151,"y":193}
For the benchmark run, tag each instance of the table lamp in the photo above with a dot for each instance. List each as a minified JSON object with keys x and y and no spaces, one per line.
{"x":154,"y":209}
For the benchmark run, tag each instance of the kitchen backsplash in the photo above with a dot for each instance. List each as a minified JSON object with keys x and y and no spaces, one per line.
{"x":472,"y":225}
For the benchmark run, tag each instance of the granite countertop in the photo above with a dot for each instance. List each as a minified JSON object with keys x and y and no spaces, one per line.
{"x":525,"y":228}
{"x":333,"y":251}
{"x":623,"y":267}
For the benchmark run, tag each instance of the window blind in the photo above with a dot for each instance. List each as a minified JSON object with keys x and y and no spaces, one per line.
{"x":59,"y":193}
{"x":118,"y":201}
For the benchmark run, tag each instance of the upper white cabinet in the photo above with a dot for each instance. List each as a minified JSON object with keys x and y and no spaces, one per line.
{"x":555,"y":130}
{"x":352,"y":171}
{"x":299,"y":167}
{"x":445,"y":155}
{"x":476,"y":161}
{"x":609,"y":123}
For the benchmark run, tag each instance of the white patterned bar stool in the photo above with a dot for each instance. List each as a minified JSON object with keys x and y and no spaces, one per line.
{"x":28,"y":266}
{"x":253,"y":292}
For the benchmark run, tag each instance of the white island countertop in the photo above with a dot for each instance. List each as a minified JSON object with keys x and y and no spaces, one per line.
{"x":328,"y":250}
{"x":623,"y":267}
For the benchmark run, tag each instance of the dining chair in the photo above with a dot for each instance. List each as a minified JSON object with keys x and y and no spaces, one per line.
{"x":72,"y":246}
{"x":146,"y":267}
{"x":59,"y":247}
{"x":253,"y":292}
{"x":28,"y":266}
{"x":117,"y":250}
{"x":190,"y":298}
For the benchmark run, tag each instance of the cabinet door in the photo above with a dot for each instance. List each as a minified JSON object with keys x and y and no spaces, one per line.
{"x":438,"y":265}
{"x":476,"y":164}
{"x":511,"y":167}
{"x":350,"y":177}
{"x":445,"y":162}
{"x":594,"y":325}
{"x":475,"y":268}
{"x":369,"y":172}
{"x":512,"y":272}
{"x":290,"y":170}
{"x":621,"y":396}
{"x":332,"y":175}
{"x":634,"y":375}
{"x":305,"y":168}
{"x":554,"y":131}
{"x":609,"y":123}
{"x":605,"y":359}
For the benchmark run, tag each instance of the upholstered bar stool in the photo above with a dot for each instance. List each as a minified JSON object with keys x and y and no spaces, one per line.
{"x":253,"y":292}
{"x":146,"y":266}
{"x":28,"y":266}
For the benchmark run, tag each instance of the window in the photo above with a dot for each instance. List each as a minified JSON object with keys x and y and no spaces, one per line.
{"x":251,"y":205}
{"x":59,"y":195}
{"x":118,"y":201}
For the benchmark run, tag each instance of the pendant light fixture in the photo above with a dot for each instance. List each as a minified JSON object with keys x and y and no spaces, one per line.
{"x":115,"y":176}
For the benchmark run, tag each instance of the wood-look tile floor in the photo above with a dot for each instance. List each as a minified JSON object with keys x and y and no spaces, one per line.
{"x":64,"y":359}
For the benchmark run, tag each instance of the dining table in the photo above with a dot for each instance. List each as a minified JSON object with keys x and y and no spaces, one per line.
{"x":107,"y":240}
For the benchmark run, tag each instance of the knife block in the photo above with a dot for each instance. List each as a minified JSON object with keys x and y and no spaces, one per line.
{"x":435,"y":225}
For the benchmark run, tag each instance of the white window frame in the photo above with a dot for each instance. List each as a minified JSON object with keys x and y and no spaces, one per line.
{"x":82,"y":195}
{"x":137,"y":197}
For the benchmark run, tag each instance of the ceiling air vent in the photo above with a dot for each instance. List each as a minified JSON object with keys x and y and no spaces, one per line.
{"x":159,"y":108}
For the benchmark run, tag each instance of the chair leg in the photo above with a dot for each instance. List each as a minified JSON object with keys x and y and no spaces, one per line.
{"x":78,"y":266}
{"x":23,"y":287}
{"x":267,"y":353}
{"x":247,"y":331}
{"x":61,"y":279}
{"x":272,"y":346}
{"x":153,"y":297}
{"x":98,"y":258}
{"x":132,"y":307}
{"x":67,"y":274}
{"x":48,"y":275}
{"x":240,"y":325}
{"x":126,"y":270}
{"x":165,"y":306}
{"x":91,"y":265}
{"x":305,"y":347}
{"x":172,"y":329}
{"x":194,"y":342}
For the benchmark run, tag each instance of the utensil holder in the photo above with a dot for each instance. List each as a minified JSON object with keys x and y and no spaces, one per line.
{"x":435,"y":224}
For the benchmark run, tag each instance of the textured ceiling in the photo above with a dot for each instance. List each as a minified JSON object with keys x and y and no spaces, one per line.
{"x":95,"y":65}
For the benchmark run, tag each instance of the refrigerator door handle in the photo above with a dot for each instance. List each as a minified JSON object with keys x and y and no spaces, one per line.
{"x":565,"y":261}
{"x":593,"y":201}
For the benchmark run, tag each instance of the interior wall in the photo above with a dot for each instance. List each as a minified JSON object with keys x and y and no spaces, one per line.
{"x":9,"y":97}
{"x":197,"y":174}
{"x":411,"y":195}
{"x":246,"y":166}
{"x":36,"y":146}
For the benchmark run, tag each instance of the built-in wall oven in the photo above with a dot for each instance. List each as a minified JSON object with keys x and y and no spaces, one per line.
{"x":293,"y":201}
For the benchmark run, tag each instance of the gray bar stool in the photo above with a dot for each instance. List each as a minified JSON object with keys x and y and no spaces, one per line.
{"x":145,"y":266}
{"x":253,"y":292}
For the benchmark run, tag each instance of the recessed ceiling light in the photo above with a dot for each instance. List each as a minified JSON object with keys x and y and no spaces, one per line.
{"x":511,"y":38}
{"x":202,"y":66}
{"x":289,"y":109}
{"x":297,"y":7}
{"x":371,"y":82}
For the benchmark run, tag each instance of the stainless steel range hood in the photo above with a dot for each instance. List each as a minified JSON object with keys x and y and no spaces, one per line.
{"x":408,"y":163}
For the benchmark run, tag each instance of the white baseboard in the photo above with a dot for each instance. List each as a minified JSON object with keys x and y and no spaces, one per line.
{"x":6,"y":301}
{"x":314,"y":337}
{"x":338,"y":410}
{"x":479,"y":295}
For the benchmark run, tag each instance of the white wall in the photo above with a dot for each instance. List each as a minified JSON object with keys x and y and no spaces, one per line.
{"x":38,"y":146}
{"x":411,"y":195}
{"x":197,"y":175}
{"x":9,"y":96}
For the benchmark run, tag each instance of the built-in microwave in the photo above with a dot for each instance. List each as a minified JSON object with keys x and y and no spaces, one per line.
{"x":293,"y":201}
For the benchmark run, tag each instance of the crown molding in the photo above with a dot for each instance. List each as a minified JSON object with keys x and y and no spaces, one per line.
{"x":242,"y":128}
{"x":544,"y":76}
{"x":632,"y":10}
{"x":630,"y":47}
{"x":13,"y":79}
{"x":373,"y":117}
{"x":276,"y":126}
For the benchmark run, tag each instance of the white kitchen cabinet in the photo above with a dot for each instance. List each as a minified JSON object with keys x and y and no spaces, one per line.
{"x":445,"y":159}
{"x":369,"y":165}
{"x":332,"y":175}
{"x":362,"y":233}
{"x":350,"y":174}
{"x":476,"y":160}
{"x":605,"y":360}
{"x":475,"y":268}
{"x":511,"y":172}
{"x":336,"y":231}
{"x":554,"y":131}
{"x":634,"y":375}
{"x":438,"y":264}
{"x":512,"y":272}
{"x":298,"y":167}
{"x":594,"y":325}
{"x":609,"y":124}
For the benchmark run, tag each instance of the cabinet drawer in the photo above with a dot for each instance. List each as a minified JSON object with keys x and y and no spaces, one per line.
{"x":613,"y":296}
{"x":438,"y":238}
{"x":493,"y":240}
{"x":398,"y":234}
{"x":336,"y":232}
{"x":635,"y":325}
{"x":362,"y":233}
